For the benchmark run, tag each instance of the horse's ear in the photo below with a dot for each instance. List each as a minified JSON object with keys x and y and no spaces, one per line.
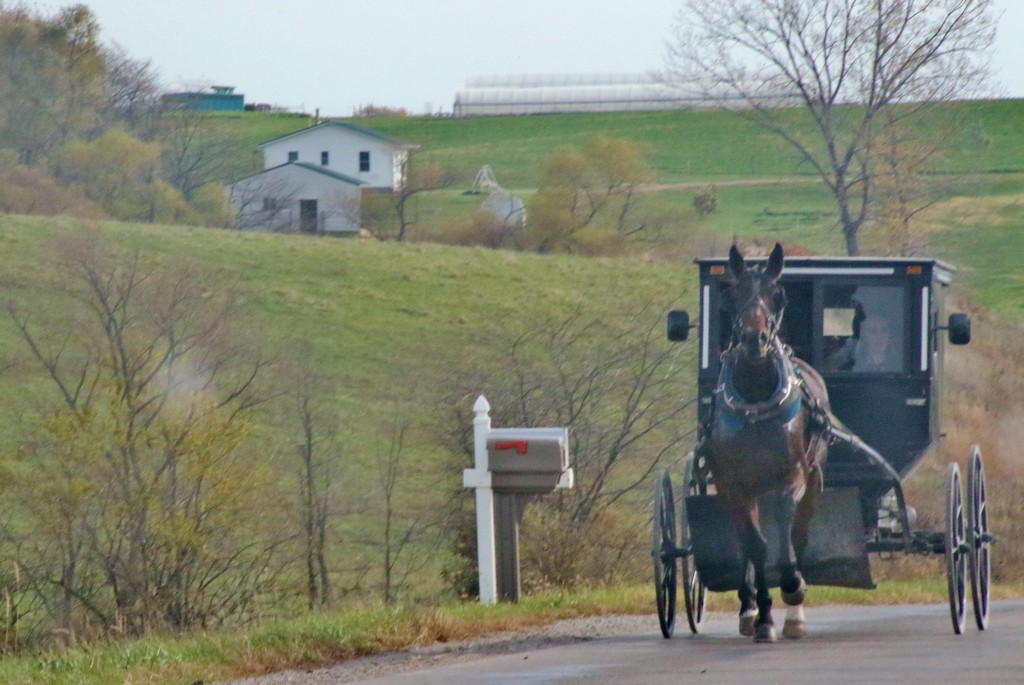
{"x":774,"y":268}
{"x":736,"y":265}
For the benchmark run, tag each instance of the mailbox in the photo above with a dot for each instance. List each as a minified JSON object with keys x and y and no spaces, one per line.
{"x":528,"y":460}
{"x":509,"y":463}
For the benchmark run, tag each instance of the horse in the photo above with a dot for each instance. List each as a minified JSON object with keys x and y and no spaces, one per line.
{"x":766,"y":436}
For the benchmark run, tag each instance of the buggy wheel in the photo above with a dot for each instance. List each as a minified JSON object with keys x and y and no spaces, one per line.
{"x":956,"y":547}
{"x":979,"y":540}
{"x":695,"y":594}
{"x":663,"y":553}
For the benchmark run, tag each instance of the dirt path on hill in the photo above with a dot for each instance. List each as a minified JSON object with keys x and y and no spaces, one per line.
{"x":690,"y":185}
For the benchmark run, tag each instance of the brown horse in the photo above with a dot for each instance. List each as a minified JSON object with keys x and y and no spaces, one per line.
{"x":766,"y":437}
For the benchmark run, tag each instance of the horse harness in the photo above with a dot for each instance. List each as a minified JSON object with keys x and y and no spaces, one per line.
{"x":733,"y":412}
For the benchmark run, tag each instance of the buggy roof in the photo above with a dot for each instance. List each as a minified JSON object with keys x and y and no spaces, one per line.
{"x":849,"y":266}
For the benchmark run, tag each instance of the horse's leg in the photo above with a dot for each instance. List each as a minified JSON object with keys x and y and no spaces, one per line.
{"x":738,"y":512}
{"x":764,"y":631}
{"x":795,"y":626}
{"x":791,"y":582}
{"x":805,"y":512}
{"x":740,"y":515}
{"x":748,"y":607}
{"x":755,"y":554}
{"x":793,"y":586}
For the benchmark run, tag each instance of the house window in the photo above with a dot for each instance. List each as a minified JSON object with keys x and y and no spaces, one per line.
{"x":293,"y":156}
{"x":269,"y":204}
{"x":325,"y":158}
{"x":364,"y":160}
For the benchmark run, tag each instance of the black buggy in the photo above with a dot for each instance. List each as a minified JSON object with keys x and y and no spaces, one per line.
{"x":885,"y":420}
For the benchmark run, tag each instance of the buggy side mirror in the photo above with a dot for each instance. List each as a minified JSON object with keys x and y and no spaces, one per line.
{"x":959,"y":329}
{"x":678,"y":325}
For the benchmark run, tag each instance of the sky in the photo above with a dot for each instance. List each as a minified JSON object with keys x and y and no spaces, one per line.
{"x":337,"y":55}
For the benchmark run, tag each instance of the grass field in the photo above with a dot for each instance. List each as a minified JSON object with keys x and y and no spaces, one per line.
{"x":685,"y":145}
{"x":688,"y":145}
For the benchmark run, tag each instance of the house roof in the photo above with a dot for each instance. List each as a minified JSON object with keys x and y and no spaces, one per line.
{"x":345,"y":126}
{"x":309,"y":167}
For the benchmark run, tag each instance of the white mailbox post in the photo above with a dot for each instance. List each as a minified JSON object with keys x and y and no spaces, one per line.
{"x":509,"y":463}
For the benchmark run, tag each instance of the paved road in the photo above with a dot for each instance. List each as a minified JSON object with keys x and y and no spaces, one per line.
{"x":876,"y":645}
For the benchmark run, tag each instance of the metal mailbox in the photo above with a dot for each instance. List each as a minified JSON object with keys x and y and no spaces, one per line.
{"x":528,"y":460}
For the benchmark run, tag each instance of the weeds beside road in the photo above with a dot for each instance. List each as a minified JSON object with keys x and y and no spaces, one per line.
{"x":320,"y":639}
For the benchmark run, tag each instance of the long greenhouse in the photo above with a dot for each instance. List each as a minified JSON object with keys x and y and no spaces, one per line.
{"x":610,"y":92}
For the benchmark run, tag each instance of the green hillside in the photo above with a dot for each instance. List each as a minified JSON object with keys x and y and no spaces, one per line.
{"x":386,"y":322}
{"x":401,"y":334}
{"x":685,"y":145}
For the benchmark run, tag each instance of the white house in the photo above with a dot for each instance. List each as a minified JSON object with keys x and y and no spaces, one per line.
{"x":312,"y":179}
{"x":379,"y":161}
{"x":297,"y":197}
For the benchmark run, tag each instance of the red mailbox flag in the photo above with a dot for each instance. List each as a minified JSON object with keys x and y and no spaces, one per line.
{"x":518,"y":445}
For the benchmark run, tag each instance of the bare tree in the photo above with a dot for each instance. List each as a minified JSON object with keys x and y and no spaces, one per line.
{"x":621,"y":401}
{"x":902,"y":191}
{"x":196,"y":151}
{"x":394,"y":208}
{"x":142,"y":498}
{"x":319,"y":465}
{"x":402,"y":529}
{"x":133,"y":92}
{"x":845,"y":63}
{"x":623,"y":394}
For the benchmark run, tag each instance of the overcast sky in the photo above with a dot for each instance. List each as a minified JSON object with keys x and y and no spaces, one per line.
{"x":338,"y":54}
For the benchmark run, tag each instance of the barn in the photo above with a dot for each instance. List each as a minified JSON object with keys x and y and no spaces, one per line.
{"x":297,"y":198}
{"x":313,"y":178}
{"x":376,"y":160}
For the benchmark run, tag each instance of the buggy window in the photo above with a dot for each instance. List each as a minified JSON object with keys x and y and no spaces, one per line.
{"x":863,"y":328}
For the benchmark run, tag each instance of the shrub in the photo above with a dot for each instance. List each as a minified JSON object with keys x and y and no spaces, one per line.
{"x":31,"y":190}
{"x":706,"y":201}
{"x":557,"y":552}
{"x":485,"y":229}
{"x":211,"y":205}
{"x":372,"y":110}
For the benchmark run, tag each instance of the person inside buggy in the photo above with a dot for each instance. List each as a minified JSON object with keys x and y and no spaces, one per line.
{"x":870,"y":350}
{"x":861,"y":327}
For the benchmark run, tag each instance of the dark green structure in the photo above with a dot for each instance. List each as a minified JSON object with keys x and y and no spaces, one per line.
{"x":216,"y":99}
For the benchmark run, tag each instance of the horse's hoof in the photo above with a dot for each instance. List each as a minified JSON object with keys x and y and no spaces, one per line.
{"x":765,"y":633}
{"x":747,"y":624}
{"x":794,"y":630}
{"x":797,"y":596}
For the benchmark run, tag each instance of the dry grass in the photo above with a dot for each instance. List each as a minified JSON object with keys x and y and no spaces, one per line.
{"x":984,"y":405}
{"x":970,"y":213}
{"x":990,"y":210}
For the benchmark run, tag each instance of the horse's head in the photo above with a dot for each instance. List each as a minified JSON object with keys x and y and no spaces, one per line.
{"x":757,"y":302}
